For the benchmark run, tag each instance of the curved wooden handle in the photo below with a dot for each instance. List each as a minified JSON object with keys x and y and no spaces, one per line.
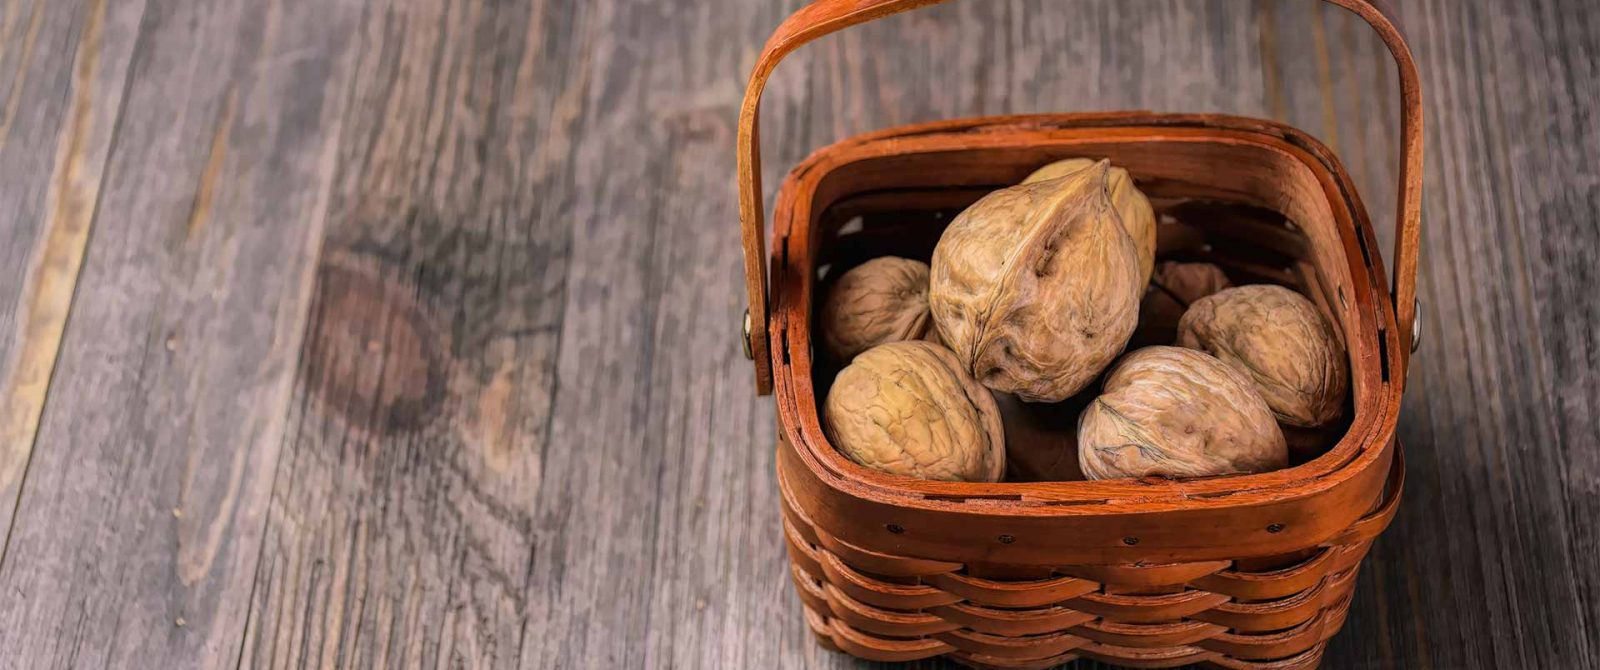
{"x":827,"y":16}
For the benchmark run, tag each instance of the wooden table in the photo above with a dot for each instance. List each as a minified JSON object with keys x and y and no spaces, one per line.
{"x":401,"y":333}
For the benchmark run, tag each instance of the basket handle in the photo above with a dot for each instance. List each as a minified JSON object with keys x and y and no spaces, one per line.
{"x":827,"y":16}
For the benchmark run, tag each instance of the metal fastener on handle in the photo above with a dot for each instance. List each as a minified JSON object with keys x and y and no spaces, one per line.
{"x":1416,"y":325}
{"x":749,"y":353}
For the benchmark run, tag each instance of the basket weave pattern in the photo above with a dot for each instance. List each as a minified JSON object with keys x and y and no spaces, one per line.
{"x":1262,"y":613}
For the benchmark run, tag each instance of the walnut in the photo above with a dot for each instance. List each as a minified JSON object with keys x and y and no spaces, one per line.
{"x":1036,"y":287}
{"x":1187,"y":282}
{"x":1134,"y":209}
{"x":908,"y":408}
{"x":1173,"y":287}
{"x":1172,"y":412}
{"x":1279,"y":340}
{"x":882,"y":300}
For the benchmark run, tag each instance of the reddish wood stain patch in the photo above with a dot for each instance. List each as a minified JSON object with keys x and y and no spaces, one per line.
{"x":374,"y":356}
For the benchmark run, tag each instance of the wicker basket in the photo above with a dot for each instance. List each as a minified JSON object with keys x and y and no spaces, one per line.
{"x":1248,"y":571}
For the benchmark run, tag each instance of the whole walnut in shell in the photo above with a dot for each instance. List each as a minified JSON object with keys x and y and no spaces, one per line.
{"x":1138,"y":217}
{"x":1279,"y":340}
{"x":1036,"y":287}
{"x":1172,"y":412}
{"x":882,"y":300}
{"x":909,"y":408}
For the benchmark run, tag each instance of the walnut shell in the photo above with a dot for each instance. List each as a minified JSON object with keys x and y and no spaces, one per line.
{"x":1172,"y":412}
{"x":1279,"y":340}
{"x":882,"y":300}
{"x":1036,"y":287}
{"x":909,"y":408}
{"x":1138,"y":217}
{"x":1173,"y":287}
{"x":1188,"y":282}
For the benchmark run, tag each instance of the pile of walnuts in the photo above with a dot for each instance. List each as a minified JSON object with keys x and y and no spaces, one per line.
{"x":1033,"y":296}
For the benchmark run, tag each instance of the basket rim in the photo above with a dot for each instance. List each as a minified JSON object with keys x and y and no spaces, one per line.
{"x":1364,"y":443}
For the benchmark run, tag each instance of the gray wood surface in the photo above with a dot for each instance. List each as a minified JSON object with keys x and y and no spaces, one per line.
{"x":62,"y":69}
{"x":403,"y":334}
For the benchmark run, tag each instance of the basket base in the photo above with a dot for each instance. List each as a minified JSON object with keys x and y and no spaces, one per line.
{"x":835,"y":635}
{"x":1244,"y":614}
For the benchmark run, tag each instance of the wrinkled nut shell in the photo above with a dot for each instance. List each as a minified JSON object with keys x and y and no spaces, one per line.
{"x":882,"y":300}
{"x":1188,"y":282}
{"x":1134,"y":209}
{"x":1279,"y":340}
{"x":908,"y":408}
{"x":1036,"y":287}
{"x":1172,"y":412}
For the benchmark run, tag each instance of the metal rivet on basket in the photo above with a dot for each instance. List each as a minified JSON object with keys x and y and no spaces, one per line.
{"x":1416,"y":325}
{"x":1275,"y":528}
{"x":895,"y":528}
{"x":1007,"y":539}
{"x":1130,"y":541}
{"x":749,"y":352}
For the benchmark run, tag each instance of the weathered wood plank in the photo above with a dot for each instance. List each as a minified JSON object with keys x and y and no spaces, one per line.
{"x":656,"y":517}
{"x":403,"y":524}
{"x":62,"y":68}
{"x":138,"y":528}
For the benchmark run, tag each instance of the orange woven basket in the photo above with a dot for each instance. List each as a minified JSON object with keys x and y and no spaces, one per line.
{"x":1252,"y":571}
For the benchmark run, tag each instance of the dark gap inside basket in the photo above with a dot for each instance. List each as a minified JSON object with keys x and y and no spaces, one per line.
{"x":1252,"y":245}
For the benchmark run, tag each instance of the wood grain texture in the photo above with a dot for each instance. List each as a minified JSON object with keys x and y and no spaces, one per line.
{"x":62,"y":70}
{"x":421,"y":314}
{"x":403,"y":523}
{"x":139,"y":524}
